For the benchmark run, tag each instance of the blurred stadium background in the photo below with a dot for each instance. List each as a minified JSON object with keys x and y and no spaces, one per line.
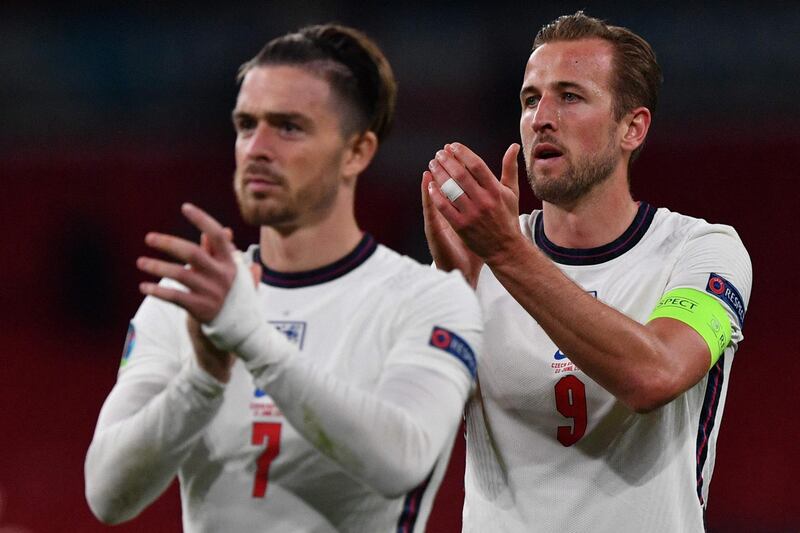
{"x":113,"y":116}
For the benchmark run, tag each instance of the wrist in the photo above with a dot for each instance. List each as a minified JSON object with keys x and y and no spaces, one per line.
{"x":213,"y":361}
{"x":505,"y":252}
{"x":202,"y":381}
{"x":472,"y":277}
{"x":241,"y":313}
{"x":217,"y":367}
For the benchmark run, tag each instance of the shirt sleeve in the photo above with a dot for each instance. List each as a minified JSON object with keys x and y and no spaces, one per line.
{"x":390,"y":437}
{"x":714,"y":261}
{"x":155,"y":413}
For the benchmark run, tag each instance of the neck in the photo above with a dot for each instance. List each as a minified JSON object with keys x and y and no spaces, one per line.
{"x":598,"y":218}
{"x":311,"y":246}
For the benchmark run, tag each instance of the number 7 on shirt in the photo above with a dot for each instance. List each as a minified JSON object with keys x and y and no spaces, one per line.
{"x":268,"y":433}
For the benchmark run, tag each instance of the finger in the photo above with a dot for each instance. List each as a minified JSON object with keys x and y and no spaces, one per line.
{"x":510,"y":175}
{"x":430,"y":214}
{"x":220,"y":244}
{"x":438,"y":172}
{"x":427,"y":204}
{"x":206,"y":245}
{"x":441,"y":176}
{"x":255,"y":271}
{"x":456,"y":170}
{"x":184,"y":251}
{"x":164,"y":269}
{"x":474,"y":165}
{"x":443,"y":205}
{"x":194,"y":327}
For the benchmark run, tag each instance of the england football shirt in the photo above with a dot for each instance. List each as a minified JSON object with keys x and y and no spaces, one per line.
{"x":550,"y":450}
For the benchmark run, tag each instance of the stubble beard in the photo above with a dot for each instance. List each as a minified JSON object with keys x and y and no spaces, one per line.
{"x":284,"y":212}
{"x":577,"y":181}
{"x":254,"y":207}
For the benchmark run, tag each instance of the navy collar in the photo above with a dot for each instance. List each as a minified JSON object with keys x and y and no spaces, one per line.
{"x":594,"y":256}
{"x":337,"y":269}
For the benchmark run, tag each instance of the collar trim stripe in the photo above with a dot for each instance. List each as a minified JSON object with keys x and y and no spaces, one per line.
{"x":291,"y":280}
{"x":593,"y":256}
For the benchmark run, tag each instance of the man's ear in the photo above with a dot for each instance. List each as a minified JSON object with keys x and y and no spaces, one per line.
{"x":636,"y":124}
{"x":361,"y":148}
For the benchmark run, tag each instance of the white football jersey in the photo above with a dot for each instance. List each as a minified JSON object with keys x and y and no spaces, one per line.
{"x":548,"y":449}
{"x":250,"y":470}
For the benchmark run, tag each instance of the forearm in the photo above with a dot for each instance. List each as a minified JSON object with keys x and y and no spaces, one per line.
{"x":389,"y":437}
{"x":625,"y":357}
{"x":132,"y":460}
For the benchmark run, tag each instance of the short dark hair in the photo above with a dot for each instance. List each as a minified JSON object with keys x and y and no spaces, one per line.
{"x":351,"y":62}
{"x":636,"y":78}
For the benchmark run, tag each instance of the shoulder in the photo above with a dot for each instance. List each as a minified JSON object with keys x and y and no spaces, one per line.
{"x":699,"y":233}
{"x":693,"y":227}
{"x":249,"y":253}
{"x":527,"y":221}
{"x":153,"y":308}
{"x":157,"y":338}
{"x":157,"y":321}
{"x":409,"y":273}
{"x":418,"y":284}
{"x":714,"y":251}
{"x":687,"y":234}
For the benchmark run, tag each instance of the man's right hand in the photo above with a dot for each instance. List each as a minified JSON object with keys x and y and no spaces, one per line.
{"x":478,"y":224}
{"x":216,"y":362}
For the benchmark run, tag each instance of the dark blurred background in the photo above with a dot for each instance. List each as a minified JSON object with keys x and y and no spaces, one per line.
{"x":113,"y":116}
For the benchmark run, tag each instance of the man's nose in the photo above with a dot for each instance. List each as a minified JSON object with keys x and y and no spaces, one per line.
{"x":546,"y":115}
{"x":260,"y":144}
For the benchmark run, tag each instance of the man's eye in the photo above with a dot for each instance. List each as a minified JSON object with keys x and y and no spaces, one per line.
{"x":571,"y":97}
{"x":245,"y":124}
{"x":531,"y":101}
{"x":289,"y":127}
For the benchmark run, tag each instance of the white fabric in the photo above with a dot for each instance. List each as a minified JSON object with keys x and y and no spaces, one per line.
{"x":241,"y":317}
{"x":629,"y":472}
{"x":452,"y":190}
{"x":364,"y":407}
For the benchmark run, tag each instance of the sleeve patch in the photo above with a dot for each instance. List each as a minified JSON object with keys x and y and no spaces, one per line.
{"x":130,"y":341}
{"x":451,"y":343}
{"x":725,"y":291}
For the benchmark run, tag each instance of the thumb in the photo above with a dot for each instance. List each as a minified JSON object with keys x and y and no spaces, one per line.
{"x":510,"y":176}
{"x":427,"y":178}
{"x":255,"y":271}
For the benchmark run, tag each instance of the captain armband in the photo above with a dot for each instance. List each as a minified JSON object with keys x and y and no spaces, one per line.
{"x":701,"y":312}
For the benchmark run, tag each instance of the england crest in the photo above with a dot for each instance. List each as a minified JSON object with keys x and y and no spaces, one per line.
{"x":294,"y":331}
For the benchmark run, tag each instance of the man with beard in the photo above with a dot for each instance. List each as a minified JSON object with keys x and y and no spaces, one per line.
{"x":609,"y":325}
{"x":325,"y":397}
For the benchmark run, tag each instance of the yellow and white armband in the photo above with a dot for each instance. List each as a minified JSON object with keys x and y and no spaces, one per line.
{"x":701,"y":312}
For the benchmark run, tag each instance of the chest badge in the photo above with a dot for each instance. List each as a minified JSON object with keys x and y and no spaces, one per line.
{"x":295,"y":331}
